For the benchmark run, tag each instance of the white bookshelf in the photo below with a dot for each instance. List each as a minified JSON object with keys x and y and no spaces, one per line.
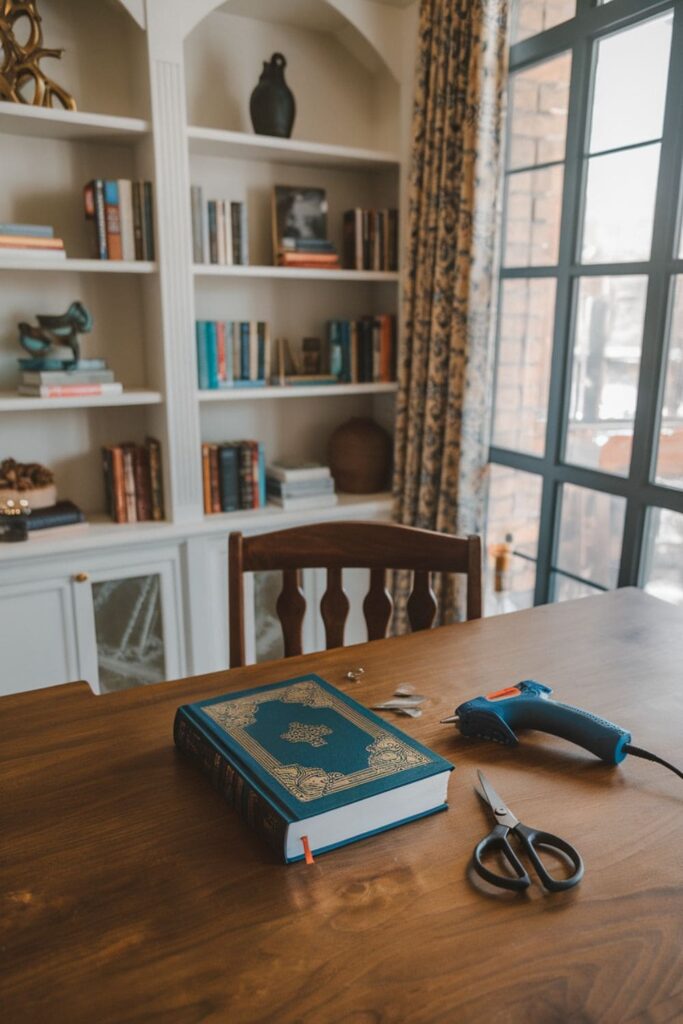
{"x":11,"y":402}
{"x":77,"y":266}
{"x":293,"y":273}
{"x":163,"y":94}
{"x":295,"y":391}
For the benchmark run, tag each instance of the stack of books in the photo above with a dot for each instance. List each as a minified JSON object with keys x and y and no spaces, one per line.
{"x":219,"y":230}
{"x":299,"y":485}
{"x":31,"y":241}
{"x":300,"y":229}
{"x":371,"y":239}
{"x":232,"y":353}
{"x":121,"y":212}
{"x":308,"y":253}
{"x":87,"y":377}
{"x":233,"y":476}
{"x":132,"y":481}
{"x":363,"y":350}
{"x":60,"y":520}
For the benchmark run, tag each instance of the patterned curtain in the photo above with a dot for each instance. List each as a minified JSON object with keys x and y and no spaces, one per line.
{"x":444,"y":366}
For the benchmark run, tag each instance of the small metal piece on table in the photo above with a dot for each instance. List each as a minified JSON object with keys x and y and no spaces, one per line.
{"x":355,"y":674}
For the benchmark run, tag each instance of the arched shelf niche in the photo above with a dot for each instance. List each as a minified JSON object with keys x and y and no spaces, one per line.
{"x":104,"y":64}
{"x":346,"y":89}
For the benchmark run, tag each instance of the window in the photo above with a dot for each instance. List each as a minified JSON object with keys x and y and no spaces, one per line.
{"x":586,"y":476}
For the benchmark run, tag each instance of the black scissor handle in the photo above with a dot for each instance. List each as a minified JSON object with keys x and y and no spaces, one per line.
{"x":532,"y":839}
{"x":496,"y":841}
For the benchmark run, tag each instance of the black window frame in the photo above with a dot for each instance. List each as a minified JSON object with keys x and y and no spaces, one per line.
{"x":593,"y":21}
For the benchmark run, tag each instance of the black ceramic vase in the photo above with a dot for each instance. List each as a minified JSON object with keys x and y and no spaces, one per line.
{"x":272,"y":105}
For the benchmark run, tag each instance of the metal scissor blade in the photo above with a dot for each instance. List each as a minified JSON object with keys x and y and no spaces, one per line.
{"x":501,"y":811}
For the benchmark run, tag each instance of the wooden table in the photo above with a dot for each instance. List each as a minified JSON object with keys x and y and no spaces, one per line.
{"x":131,"y":893}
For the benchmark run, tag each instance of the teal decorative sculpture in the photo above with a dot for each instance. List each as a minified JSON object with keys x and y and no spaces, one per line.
{"x":56,"y":332}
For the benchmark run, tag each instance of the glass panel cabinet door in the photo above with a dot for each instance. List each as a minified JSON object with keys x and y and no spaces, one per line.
{"x":128,"y":625}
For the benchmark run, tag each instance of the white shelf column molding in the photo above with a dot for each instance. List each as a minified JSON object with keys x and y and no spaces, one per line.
{"x":172,"y":185}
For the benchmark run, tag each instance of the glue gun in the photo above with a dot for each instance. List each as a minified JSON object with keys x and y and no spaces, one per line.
{"x":528,"y":706}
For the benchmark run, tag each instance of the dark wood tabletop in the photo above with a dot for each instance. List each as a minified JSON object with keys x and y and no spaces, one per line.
{"x":130,"y":892}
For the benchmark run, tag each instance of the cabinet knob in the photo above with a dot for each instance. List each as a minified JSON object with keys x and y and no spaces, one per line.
{"x":81,"y":577}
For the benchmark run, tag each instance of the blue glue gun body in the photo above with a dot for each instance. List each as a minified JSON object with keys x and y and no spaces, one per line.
{"x":528,"y":706}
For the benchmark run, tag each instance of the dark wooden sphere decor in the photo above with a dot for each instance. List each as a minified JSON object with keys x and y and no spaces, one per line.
{"x":360,"y":456}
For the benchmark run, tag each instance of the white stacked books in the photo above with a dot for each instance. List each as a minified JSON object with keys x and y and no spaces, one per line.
{"x":300,"y":485}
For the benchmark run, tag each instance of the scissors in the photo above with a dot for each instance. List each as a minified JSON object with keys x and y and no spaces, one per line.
{"x":530,"y":839}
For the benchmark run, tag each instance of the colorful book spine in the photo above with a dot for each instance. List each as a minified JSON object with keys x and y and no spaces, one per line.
{"x":95,"y":211}
{"x":214,"y":472}
{"x":148,"y":221}
{"x":125,"y":189}
{"x":202,"y":360}
{"x":197,"y":201}
{"x":137,"y":220}
{"x":213,"y":228}
{"x":211,"y":342}
{"x":155,"y":478}
{"x":229,"y":477}
{"x":112,"y":218}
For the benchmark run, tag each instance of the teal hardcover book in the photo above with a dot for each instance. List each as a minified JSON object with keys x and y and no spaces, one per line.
{"x":302,"y":759}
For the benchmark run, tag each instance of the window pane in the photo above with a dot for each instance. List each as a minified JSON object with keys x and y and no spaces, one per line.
{"x":566,"y":589}
{"x":620,"y":200}
{"x":539,"y":98}
{"x":591,"y":528}
{"x":604,"y":385}
{"x":129,"y":632}
{"x":664,"y":546}
{"x":670,"y":453}
{"x":525,"y":333}
{"x":532,"y":222}
{"x":514,"y":507}
{"x":532,"y":16}
{"x":630,"y":85}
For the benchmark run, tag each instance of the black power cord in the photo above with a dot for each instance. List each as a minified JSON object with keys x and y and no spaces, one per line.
{"x":639,"y":752}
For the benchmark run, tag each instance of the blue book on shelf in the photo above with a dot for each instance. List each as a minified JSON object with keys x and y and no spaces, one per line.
{"x":211,"y":354}
{"x":345,"y":330}
{"x":244,"y":350}
{"x":300,"y":759}
{"x":263,"y":498}
{"x":28,"y":230}
{"x":202,"y":361}
{"x":334,"y":340}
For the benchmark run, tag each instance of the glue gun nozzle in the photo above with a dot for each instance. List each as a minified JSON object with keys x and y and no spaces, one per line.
{"x":453,"y":718}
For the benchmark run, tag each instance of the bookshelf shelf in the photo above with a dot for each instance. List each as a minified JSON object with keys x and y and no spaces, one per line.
{"x":292,"y":273}
{"x":243,"y":146}
{"x":272,"y":516}
{"x":70,"y":125}
{"x":11,"y":402}
{"x":77,"y":266}
{"x":295,"y":391}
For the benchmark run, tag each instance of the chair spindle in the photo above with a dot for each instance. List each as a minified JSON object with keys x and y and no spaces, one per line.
{"x":421,"y":605}
{"x":334,"y":608}
{"x":291,"y":608}
{"x":377,"y":605}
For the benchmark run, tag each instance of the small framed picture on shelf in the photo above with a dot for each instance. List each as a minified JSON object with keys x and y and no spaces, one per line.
{"x":300,"y":229}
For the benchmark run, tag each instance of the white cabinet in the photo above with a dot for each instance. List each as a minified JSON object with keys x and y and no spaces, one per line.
{"x":92,"y":618}
{"x":129,"y":624}
{"x":37,"y":634}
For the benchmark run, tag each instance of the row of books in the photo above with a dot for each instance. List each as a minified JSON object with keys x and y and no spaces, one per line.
{"x":232,"y":353}
{"x":371,"y":239}
{"x":85,"y":378}
{"x":363,"y":350}
{"x":132,"y":481}
{"x":31,"y":241}
{"x":233,"y":476}
{"x":219,"y":230}
{"x":121,"y":212}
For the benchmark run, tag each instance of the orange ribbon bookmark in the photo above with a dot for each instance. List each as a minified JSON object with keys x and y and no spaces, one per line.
{"x":308,"y":856}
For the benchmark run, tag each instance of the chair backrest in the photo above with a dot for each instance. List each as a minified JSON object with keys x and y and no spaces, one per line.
{"x":356,"y":545}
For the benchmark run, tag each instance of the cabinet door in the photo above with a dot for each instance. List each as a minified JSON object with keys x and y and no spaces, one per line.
{"x":37,"y":635}
{"x":129,"y":626}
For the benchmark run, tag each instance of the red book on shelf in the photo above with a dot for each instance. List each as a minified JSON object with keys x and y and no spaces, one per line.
{"x":215,"y":478}
{"x":206,"y":479}
{"x":143,"y":496}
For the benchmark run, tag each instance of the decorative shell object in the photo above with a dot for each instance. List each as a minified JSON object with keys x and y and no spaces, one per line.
{"x":360,"y":456}
{"x":27,"y":480}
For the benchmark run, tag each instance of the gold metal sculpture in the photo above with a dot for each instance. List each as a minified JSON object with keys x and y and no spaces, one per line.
{"x":21,"y":78}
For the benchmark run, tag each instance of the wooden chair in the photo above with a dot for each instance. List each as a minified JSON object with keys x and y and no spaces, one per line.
{"x":356,"y":545}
